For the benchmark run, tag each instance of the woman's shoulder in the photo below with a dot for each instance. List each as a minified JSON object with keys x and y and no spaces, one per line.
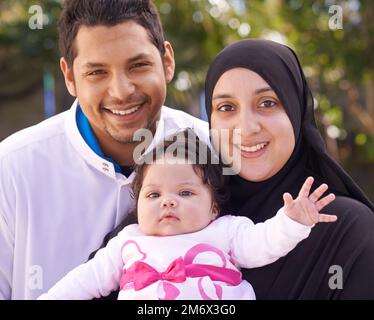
{"x":350,"y":236}
{"x":350,"y":210}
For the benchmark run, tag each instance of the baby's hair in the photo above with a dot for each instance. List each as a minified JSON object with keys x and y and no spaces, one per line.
{"x":186,"y":145}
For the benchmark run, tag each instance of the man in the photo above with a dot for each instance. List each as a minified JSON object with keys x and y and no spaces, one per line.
{"x":65,"y":183}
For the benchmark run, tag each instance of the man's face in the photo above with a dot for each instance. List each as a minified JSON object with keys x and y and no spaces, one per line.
{"x":119,"y":78}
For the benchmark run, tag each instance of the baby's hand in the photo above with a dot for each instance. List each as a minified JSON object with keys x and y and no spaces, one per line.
{"x":305,"y":209}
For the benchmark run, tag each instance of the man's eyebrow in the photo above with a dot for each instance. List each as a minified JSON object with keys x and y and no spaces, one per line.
{"x":139,"y":56}
{"x":226,"y":95}
{"x":91,"y":65}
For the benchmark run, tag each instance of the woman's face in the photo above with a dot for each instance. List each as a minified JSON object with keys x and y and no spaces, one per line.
{"x":265,"y":139}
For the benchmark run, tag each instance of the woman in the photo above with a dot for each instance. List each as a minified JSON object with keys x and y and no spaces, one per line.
{"x":258,"y":86}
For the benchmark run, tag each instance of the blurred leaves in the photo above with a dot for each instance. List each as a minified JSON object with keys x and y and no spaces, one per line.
{"x":24,"y":51}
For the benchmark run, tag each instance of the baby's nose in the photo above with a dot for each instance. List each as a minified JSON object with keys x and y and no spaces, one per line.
{"x":168,"y":203}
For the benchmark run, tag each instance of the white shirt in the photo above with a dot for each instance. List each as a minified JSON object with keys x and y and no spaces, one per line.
{"x":58,"y":199}
{"x":226,"y":244}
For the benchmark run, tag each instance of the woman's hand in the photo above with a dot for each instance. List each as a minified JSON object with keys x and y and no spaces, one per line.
{"x":306,"y":207}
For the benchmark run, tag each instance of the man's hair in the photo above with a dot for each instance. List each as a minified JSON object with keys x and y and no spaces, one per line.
{"x":77,"y":13}
{"x":186,"y":145}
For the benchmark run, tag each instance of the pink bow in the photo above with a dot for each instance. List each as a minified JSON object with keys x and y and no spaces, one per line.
{"x":142,"y":274}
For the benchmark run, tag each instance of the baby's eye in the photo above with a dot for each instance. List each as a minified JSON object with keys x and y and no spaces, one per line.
{"x":153,"y":195}
{"x":185,"y":193}
{"x":225,"y":108}
{"x":268,"y":104}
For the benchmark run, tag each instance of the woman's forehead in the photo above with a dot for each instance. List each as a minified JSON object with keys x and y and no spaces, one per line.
{"x":237,"y":79}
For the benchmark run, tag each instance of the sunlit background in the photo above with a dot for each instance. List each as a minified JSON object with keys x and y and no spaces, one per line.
{"x":338,"y":62}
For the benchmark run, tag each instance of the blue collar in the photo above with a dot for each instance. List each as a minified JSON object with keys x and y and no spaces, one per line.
{"x":87,"y":134}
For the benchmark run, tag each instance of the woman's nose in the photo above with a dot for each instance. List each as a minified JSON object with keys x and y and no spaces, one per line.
{"x":249,"y":123}
{"x":168,"y":203}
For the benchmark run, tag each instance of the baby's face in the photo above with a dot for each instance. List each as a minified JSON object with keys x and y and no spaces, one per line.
{"x":173,"y":200}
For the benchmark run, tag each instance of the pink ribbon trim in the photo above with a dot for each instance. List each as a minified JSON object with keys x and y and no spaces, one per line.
{"x":141,"y":274}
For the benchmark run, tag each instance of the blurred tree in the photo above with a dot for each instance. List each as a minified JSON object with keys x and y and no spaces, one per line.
{"x":198,"y":30}
{"x":24,"y":51}
{"x":340,"y":65}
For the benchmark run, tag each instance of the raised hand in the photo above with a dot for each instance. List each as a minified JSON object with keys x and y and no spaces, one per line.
{"x":306,"y":207}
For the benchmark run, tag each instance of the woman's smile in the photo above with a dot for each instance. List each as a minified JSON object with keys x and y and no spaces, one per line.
{"x":253,"y":150}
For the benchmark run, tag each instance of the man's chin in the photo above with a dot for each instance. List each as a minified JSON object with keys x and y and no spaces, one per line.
{"x":123,"y":138}
{"x":126,"y":136}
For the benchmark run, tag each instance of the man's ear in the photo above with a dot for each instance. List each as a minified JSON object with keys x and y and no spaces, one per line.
{"x":69,"y":77}
{"x":169,"y":63}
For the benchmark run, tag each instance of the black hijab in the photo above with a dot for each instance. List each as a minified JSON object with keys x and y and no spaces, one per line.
{"x":304,"y":272}
{"x":280,"y":68}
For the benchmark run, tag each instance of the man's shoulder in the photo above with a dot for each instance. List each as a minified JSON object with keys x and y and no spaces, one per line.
{"x":39,"y":133}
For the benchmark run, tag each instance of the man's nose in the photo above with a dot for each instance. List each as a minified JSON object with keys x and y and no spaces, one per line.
{"x":120,"y":86}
